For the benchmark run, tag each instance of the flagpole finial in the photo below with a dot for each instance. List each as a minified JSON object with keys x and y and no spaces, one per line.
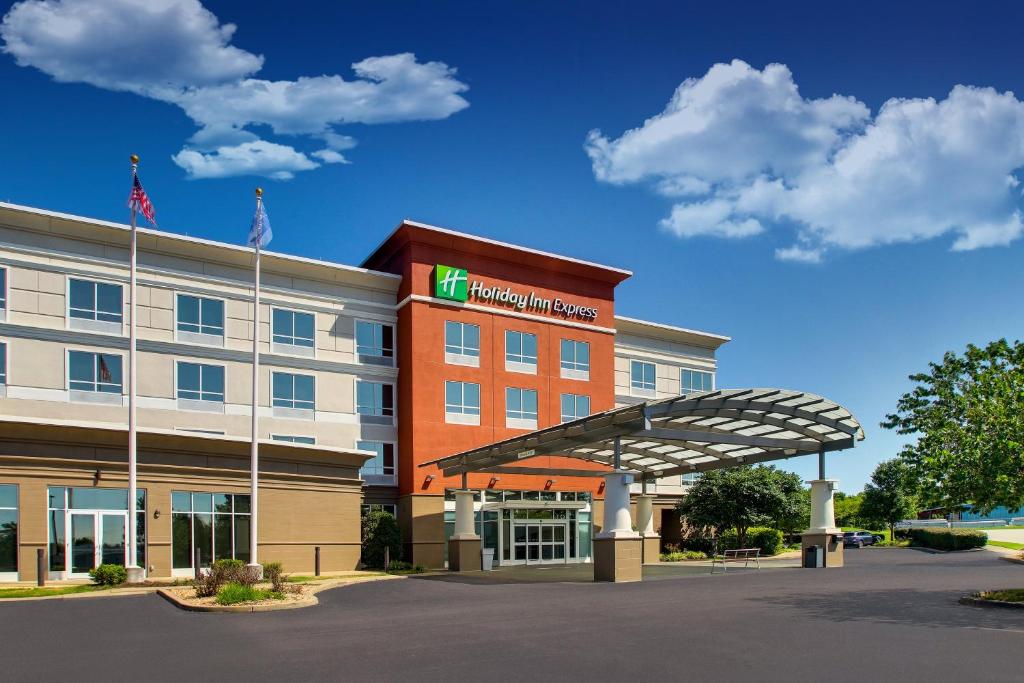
{"x":134,"y":158}
{"x":259,"y":191}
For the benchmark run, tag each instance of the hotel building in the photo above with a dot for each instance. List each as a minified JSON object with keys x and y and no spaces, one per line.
{"x":439,"y":342}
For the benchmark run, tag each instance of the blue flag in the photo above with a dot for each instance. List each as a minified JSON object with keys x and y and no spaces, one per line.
{"x":260,"y":232}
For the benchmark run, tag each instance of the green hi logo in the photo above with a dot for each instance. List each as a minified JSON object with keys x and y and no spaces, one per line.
{"x":451,"y":283}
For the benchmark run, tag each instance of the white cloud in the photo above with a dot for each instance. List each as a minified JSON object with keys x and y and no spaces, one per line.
{"x":177,"y":51}
{"x":740,"y":149}
{"x":259,"y":158}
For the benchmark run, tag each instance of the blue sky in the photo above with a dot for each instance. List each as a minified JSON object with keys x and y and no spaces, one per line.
{"x":842,"y":248}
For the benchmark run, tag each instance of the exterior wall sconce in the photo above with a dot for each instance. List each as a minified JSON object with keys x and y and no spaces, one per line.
{"x":429,"y":478}
{"x":549,"y":484}
{"x":493,"y":481}
{"x":156,"y":514}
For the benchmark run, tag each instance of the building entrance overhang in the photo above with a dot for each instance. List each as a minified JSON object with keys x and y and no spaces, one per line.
{"x":695,"y":432}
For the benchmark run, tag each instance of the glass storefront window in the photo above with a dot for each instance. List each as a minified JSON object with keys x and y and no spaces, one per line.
{"x":98,"y":530}
{"x":8,"y":528}
{"x":215,"y":523}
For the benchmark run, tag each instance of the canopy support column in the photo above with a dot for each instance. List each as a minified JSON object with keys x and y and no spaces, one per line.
{"x":823,"y":531}
{"x":464,"y":546}
{"x":651,"y":546}
{"x":618,"y":548}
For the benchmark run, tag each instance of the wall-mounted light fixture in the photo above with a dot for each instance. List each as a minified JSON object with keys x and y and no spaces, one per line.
{"x":549,"y":483}
{"x":493,"y":481}
{"x":156,"y":514}
{"x":429,"y":478}
{"x":96,"y":477}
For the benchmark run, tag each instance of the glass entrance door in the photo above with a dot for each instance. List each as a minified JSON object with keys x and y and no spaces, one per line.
{"x":97,"y":538}
{"x":540,"y":543}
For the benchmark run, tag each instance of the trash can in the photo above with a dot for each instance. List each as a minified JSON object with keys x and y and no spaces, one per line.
{"x":487,"y":559}
{"x":814,"y":557}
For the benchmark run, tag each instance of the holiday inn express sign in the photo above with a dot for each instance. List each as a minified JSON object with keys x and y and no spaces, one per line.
{"x":454,"y":284}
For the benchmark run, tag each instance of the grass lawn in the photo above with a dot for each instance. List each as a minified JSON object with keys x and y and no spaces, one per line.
{"x":995,"y":528}
{"x":36,"y":592}
{"x":1007,"y":544}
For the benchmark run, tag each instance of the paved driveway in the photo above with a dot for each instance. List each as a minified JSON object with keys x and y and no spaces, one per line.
{"x":1011,"y":535}
{"x":892,"y":612}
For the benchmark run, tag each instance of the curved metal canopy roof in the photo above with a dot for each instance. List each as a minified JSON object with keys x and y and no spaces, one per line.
{"x":694,"y":432}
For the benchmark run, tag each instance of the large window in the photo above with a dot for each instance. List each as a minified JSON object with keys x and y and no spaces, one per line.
{"x":520,"y":407}
{"x":462,"y":402}
{"x":375,"y":402}
{"x":695,"y":380}
{"x":375,"y":343}
{"x":217,"y":524}
{"x":294,"y":392}
{"x":200,"y":319}
{"x":642,"y":378}
{"x":294,"y":331}
{"x":575,"y":359}
{"x":96,"y":373}
{"x":520,"y":351}
{"x":461,"y":343}
{"x":3,"y":293}
{"x":95,"y":305}
{"x":574,"y":407}
{"x":378,"y":507}
{"x":3,"y":363}
{"x":382,"y":468}
{"x":9,"y":530}
{"x":200,"y":382}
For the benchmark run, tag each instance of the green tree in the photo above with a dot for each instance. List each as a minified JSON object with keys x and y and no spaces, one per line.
{"x":890,"y":496}
{"x":794,"y":514}
{"x":380,"y":531}
{"x":740,"y":498}
{"x":848,"y":508}
{"x":967,"y":413}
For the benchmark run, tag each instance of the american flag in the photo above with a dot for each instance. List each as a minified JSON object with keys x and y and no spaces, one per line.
{"x":139,"y":201}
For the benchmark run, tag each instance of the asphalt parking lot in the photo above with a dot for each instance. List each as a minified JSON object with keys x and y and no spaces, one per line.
{"x":891,"y":614}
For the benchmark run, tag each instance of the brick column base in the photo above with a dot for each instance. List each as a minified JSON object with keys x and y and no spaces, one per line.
{"x":464,"y":554}
{"x":618,"y":559}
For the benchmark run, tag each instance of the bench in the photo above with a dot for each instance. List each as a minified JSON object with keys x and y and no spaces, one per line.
{"x":744,"y":555}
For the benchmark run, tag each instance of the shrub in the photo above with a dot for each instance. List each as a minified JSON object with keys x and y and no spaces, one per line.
{"x":380,"y":530}
{"x":221,"y":572}
{"x":233,"y":593}
{"x":274,"y":573}
{"x":406,"y":568}
{"x":949,"y":539}
{"x":768,"y":540}
{"x":108,"y":575}
{"x":682,"y":555}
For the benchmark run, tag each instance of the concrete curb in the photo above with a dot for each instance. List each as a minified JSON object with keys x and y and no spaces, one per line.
{"x":1015,"y":560}
{"x":975,"y":601}
{"x":188,"y":607}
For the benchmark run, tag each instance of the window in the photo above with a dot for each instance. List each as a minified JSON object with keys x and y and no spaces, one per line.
{"x":520,"y":351}
{"x":574,"y":407}
{"x":294,"y":392}
{"x":3,"y":364}
{"x":294,"y":330}
{"x":382,"y":468}
{"x":9,"y":531}
{"x":378,"y":507}
{"x":199,"y":319}
{"x":98,"y":373}
{"x":375,"y":343}
{"x":520,"y":408}
{"x":292,"y":438}
{"x":642,"y":378}
{"x":461,"y":343}
{"x":215,"y":523}
{"x":200,"y":382}
{"x":3,"y":293}
{"x":95,"y":305}
{"x":462,"y":402}
{"x":694,"y":380}
{"x":375,"y":402}
{"x":575,"y":359}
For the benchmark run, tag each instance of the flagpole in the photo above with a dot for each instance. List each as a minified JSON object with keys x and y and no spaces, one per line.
{"x":255,"y":455}
{"x":136,"y":574}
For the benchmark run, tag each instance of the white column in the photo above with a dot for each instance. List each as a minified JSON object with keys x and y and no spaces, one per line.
{"x":617,"y":521}
{"x":645,"y":514}
{"x":465,"y":528}
{"x":823,"y":513}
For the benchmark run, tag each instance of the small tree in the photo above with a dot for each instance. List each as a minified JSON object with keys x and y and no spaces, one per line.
{"x":380,"y":531}
{"x":891,"y":495}
{"x":848,"y":508}
{"x":739,"y":498}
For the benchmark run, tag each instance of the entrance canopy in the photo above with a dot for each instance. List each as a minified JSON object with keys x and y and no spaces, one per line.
{"x":695,"y":432}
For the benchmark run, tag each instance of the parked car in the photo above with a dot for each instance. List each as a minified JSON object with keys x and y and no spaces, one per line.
{"x":860,"y":538}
